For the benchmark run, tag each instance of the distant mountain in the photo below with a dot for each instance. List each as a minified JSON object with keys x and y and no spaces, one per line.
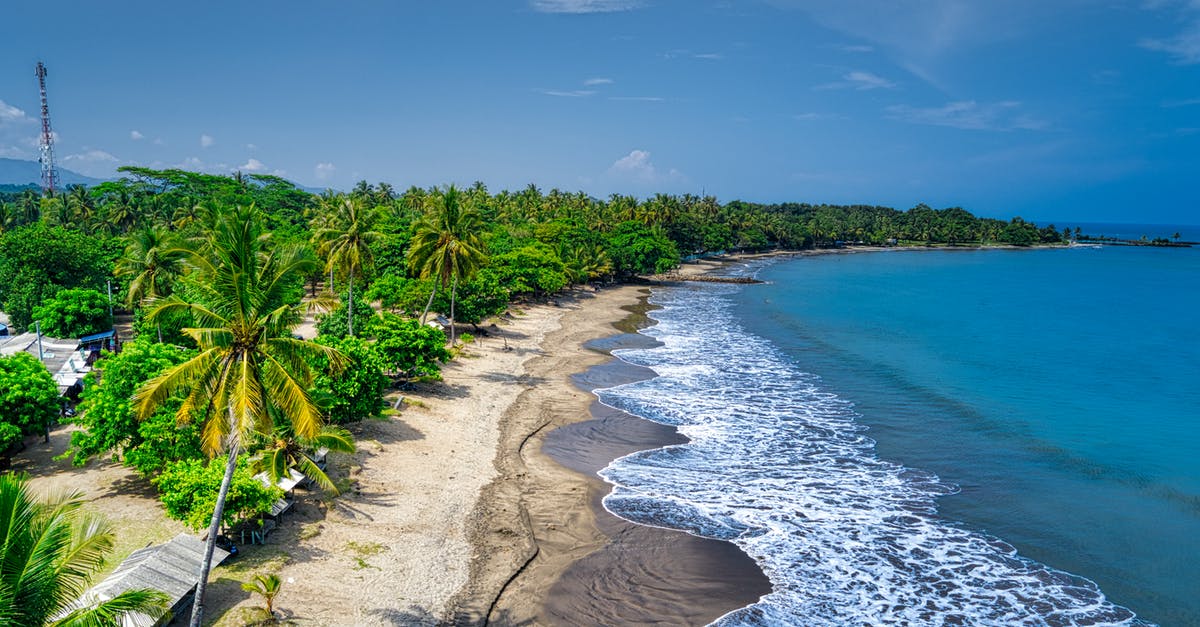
{"x":22,"y":172}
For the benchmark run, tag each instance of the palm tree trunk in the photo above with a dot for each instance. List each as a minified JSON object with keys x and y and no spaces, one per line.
{"x":159,"y":326}
{"x":453,"y":292}
{"x":430,"y":303}
{"x":213,"y":529}
{"x":350,"y":309}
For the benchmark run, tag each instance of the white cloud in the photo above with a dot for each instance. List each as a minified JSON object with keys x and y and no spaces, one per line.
{"x":638,"y":98}
{"x":91,"y":156}
{"x":251,"y":147}
{"x":858,"y":48}
{"x":13,"y":152}
{"x":158,"y":141}
{"x":811,"y":116}
{"x":206,"y":141}
{"x":1185,"y":46}
{"x":136,"y":135}
{"x":584,"y":6}
{"x":859,"y":80}
{"x":9,"y":113}
{"x":970,"y":115}
{"x":636,"y":166}
{"x":592,"y":82}
{"x":253,"y":165}
{"x":324,"y":170}
{"x":573,"y":93}
{"x":712,"y":56}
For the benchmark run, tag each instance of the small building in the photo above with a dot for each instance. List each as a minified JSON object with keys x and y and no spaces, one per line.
{"x":63,"y":358}
{"x":172,"y":568}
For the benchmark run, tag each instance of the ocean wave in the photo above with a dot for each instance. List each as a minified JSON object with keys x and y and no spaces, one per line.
{"x":783,"y":469}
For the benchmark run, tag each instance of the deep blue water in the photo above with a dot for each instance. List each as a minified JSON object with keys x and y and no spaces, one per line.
{"x":911,"y":437}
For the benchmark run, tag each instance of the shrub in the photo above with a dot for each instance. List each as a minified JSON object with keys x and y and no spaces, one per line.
{"x":189,"y":491}
{"x":356,"y":392}
{"x":407,"y":347}
{"x":73,"y":313}
{"x":29,"y":399}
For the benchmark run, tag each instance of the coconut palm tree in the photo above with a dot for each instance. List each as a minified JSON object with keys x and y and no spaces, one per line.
{"x":153,"y":259}
{"x":345,"y":239}
{"x":51,"y":549}
{"x":446,"y":246}
{"x":289,"y":451}
{"x":249,"y":369}
{"x":266,"y":586}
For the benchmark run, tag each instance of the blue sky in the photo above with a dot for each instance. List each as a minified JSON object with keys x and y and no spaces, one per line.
{"x":1067,"y":110}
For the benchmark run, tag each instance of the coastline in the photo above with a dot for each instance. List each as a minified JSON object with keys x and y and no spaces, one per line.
{"x":546,"y":549}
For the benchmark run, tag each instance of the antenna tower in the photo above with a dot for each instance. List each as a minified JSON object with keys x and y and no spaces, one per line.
{"x":49,"y":170}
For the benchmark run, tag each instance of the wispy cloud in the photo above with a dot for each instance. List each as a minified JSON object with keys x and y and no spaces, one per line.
{"x":811,"y":116}
{"x":637,"y":167}
{"x":9,"y":113}
{"x":638,"y":98}
{"x":859,"y":80}
{"x":711,"y":56}
{"x":91,"y":156}
{"x":1184,"y":46}
{"x":253,"y":165}
{"x":970,"y":115}
{"x":584,"y":6}
{"x":572,"y":93}
{"x":136,"y":135}
{"x":855,"y":48}
{"x":324,"y":170}
{"x":592,"y":82}
{"x":206,"y":141}
{"x":1172,"y":104}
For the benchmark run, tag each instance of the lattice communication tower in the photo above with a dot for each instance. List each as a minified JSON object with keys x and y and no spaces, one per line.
{"x":49,"y":169}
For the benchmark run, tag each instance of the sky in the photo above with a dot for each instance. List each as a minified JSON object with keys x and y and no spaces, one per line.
{"x":1078,"y":110}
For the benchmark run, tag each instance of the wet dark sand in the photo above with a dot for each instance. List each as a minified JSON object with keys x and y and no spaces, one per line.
{"x":642,"y":575}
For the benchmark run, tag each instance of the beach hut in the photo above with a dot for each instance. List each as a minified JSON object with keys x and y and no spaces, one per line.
{"x":172,"y":568}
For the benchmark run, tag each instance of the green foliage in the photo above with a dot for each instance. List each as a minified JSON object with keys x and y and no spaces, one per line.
{"x":267,"y":587}
{"x":29,"y":399}
{"x":51,"y":550}
{"x":37,"y":261}
{"x":356,"y":391}
{"x":480,"y":297}
{"x":637,"y":249}
{"x":107,"y":415}
{"x":407,"y":347}
{"x":73,"y":313}
{"x":335,"y":325}
{"x":189,"y":489}
{"x":399,"y":294}
{"x":532,"y":269}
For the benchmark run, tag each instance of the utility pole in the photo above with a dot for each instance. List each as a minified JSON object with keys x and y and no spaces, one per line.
{"x":37,"y":325}
{"x":46,"y":145}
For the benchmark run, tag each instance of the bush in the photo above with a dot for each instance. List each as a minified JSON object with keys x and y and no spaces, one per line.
{"x":74,"y":313}
{"x":478,"y":298}
{"x":534,"y":268}
{"x":408,"y":348}
{"x":356,"y":392}
{"x":109,"y":422}
{"x":189,"y":491}
{"x":29,"y":399}
{"x":637,"y":249}
{"x":334,"y":323}
{"x":400,"y":294}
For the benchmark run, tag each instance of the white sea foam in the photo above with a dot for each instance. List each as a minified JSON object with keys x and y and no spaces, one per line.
{"x":781,"y":467}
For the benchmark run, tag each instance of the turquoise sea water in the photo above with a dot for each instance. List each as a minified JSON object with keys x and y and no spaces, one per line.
{"x":934,"y":437}
{"x":1058,"y":389}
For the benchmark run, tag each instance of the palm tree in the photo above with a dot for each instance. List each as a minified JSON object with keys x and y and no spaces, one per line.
{"x":267,"y":586}
{"x":345,"y":239}
{"x":249,"y":368}
{"x":447,"y":246}
{"x":50,"y":551}
{"x":153,"y":259}
{"x":289,"y":451}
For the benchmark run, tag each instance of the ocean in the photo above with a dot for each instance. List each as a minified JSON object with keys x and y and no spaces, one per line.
{"x":991,"y":437}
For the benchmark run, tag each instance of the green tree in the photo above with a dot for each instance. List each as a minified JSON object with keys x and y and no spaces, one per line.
{"x":190,"y":489}
{"x":409,"y":348}
{"x":152,"y":261}
{"x":345,"y":238}
{"x":37,"y":261}
{"x":337,"y":323}
{"x":249,"y":368}
{"x":108,"y":418}
{"x":637,"y":249}
{"x":447,"y":245}
{"x":29,"y":399}
{"x":73,"y":313}
{"x":356,"y":391}
{"x":51,"y":549}
{"x":535,"y":268}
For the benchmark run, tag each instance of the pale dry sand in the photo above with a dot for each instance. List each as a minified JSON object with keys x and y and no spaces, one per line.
{"x":396,"y":548}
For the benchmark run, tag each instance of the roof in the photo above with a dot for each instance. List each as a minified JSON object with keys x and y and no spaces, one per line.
{"x":285,"y":483}
{"x":172,"y":568}
{"x":60,"y":356}
{"x":96,"y":336}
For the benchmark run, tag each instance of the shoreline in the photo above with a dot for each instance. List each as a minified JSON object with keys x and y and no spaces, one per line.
{"x":545,"y":548}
